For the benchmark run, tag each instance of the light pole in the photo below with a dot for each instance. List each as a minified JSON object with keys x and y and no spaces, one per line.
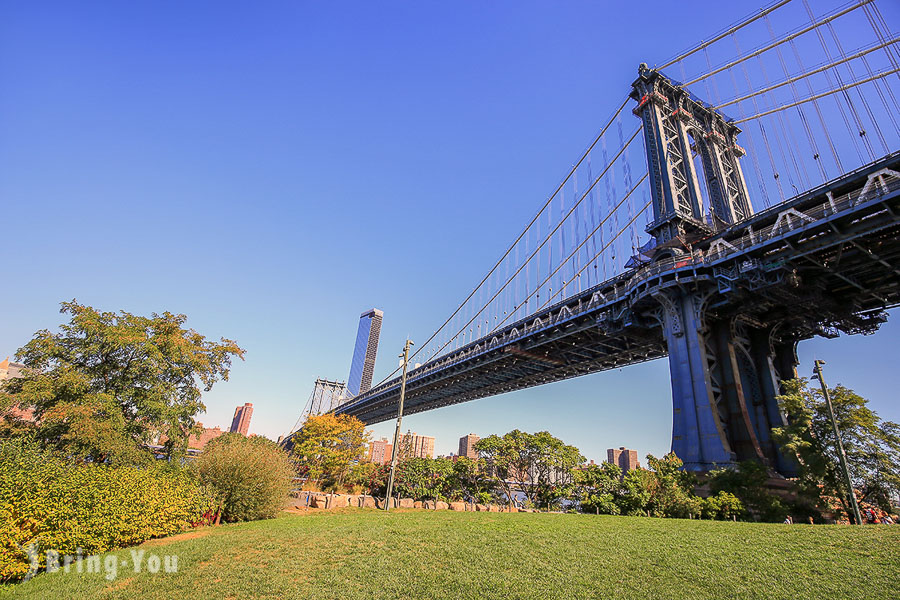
{"x":394,"y":451}
{"x":840,"y":446}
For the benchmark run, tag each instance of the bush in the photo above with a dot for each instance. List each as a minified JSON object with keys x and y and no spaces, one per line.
{"x":748,"y":483}
{"x":251,"y":476}
{"x":48,"y":503}
{"x":722,"y":506}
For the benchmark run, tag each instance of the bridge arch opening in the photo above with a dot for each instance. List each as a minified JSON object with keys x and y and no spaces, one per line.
{"x":700,"y":176}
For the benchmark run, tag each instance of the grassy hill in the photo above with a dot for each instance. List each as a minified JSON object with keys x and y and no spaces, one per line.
{"x":419,"y":554}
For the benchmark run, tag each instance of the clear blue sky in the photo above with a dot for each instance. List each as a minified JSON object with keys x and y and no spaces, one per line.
{"x":273,"y":169}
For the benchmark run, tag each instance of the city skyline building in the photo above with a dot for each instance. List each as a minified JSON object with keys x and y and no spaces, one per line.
{"x":11,"y":370}
{"x":198,"y":442}
{"x":467,"y":446}
{"x":365,"y":350}
{"x":413,"y":445}
{"x":380,"y":451}
{"x":625,"y":459}
{"x":241,"y":421}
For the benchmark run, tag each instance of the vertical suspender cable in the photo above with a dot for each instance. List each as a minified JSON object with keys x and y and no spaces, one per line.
{"x":785,"y":131}
{"x":859,"y":126}
{"x":753,"y":152}
{"x":809,"y":135}
{"x":761,"y":125}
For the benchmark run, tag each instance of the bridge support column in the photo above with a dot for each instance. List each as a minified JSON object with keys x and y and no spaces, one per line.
{"x":724,"y":385}
{"x":699,"y":438}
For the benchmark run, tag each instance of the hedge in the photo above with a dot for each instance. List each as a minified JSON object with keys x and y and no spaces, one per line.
{"x":51,"y":504}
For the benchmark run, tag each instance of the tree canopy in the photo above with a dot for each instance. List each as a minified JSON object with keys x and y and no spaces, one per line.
{"x":872,"y":446}
{"x":109,"y":383}
{"x":539,"y":464}
{"x":327,"y":446}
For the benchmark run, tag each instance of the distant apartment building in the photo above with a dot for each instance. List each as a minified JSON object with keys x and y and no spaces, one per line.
{"x":11,"y":370}
{"x":380,"y":451}
{"x":198,"y":442}
{"x":413,"y":445}
{"x":467,"y":445}
{"x":241,"y":421}
{"x":362,"y":368}
{"x":626,"y":459}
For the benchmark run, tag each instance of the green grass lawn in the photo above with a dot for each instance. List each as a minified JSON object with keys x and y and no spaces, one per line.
{"x":420,"y":554}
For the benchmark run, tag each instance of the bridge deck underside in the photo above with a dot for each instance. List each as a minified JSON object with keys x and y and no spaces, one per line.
{"x":826,"y":273}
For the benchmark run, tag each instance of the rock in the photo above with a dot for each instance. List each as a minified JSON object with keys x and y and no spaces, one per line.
{"x":493,"y":508}
{"x":483,"y":508}
{"x":441,"y":506}
{"x":318,"y":501}
{"x":352,"y":501}
{"x":418,"y":504}
{"x":406,"y":502}
{"x":366,"y":502}
{"x":460,"y":506}
{"x":336,"y":501}
{"x":429,"y":504}
{"x":380,"y":503}
{"x":513,"y":509}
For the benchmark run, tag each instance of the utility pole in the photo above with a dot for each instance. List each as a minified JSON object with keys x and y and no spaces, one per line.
{"x":840,"y":445}
{"x":395,"y":449}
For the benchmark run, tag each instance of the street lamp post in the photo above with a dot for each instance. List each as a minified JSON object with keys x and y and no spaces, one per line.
{"x":394,"y":452}
{"x":840,"y":446}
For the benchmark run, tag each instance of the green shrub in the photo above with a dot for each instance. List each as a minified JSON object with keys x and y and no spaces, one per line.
{"x":251,"y":476}
{"x":51,"y":504}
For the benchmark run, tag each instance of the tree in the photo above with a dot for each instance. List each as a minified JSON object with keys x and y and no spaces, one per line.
{"x":748,"y":483}
{"x":251,"y":475}
{"x":327,"y":447}
{"x":672,"y":496}
{"x":540,"y":465}
{"x":722,"y":506}
{"x":109,"y":383}
{"x":473,"y":480}
{"x":600,"y":488}
{"x":640,"y":485}
{"x":872,"y":446}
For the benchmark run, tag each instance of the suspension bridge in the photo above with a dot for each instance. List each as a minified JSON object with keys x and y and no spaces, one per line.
{"x":743,"y":197}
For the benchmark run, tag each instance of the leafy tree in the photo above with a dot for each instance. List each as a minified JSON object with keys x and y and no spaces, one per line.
{"x":640,"y":485}
{"x":539,"y":464}
{"x":672,"y":495}
{"x":419,"y":479}
{"x":872,"y":446}
{"x":600,"y":488}
{"x":473,"y":480}
{"x":109,"y":383}
{"x":748,"y":483}
{"x":251,"y":475}
{"x":722,"y":506}
{"x":426,"y":479}
{"x":327,"y":447}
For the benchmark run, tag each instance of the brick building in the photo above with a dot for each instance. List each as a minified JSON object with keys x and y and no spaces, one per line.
{"x":380,"y":451}
{"x":413,"y":445}
{"x":467,"y":445}
{"x":241,"y":421}
{"x":198,"y":442}
{"x":11,"y":370}
{"x":626,"y":459}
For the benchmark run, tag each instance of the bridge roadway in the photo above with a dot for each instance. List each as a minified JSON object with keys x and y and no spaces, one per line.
{"x":823,"y":262}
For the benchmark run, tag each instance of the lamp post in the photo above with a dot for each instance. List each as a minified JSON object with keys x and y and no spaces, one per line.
{"x":840,"y":446}
{"x":394,"y":452}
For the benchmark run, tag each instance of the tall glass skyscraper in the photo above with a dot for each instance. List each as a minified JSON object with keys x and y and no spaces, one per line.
{"x":363,"y":365}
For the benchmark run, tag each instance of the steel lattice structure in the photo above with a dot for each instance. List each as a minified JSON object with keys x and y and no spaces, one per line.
{"x":735,"y":271}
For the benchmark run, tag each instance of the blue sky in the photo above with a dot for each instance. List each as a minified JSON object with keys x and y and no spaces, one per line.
{"x":273,"y":169}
